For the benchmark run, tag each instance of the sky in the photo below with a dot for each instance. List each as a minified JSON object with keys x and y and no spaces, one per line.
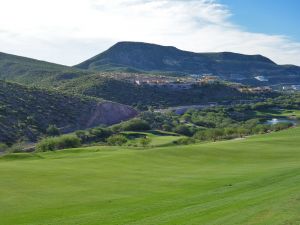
{"x":70,"y":31}
{"x":267,"y":16}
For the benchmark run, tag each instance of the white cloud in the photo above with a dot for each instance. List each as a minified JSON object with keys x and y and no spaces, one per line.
{"x":69,"y":31}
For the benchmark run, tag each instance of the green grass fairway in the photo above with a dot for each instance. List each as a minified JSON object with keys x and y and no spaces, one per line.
{"x":252,"y":181}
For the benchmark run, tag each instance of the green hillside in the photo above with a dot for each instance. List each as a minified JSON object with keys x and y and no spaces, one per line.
{"x":115,"y":88}
{"x":26,"y":113}
{"x":251,"y":181}
{"x":29,"y":71}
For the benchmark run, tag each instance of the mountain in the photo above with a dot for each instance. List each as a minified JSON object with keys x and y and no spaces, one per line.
{"x":136,"y":56}
{"x":26,"y":112}
{"x":143,"y":57}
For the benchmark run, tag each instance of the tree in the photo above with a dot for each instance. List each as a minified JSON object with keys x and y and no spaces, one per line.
{"x":136,"y":125}
{"x":56,"y":143}
{"x":184,"y":130}
{"x":242,"y":132}
{"x":99,"y":134}
{"x":230,"y":132}
{"x":52,"y":130}
{"x":82,"y":135}
{"x":185,"y":141}
{"x":214,"y":134}
{"x":167,"y":127}
{"x":145,"y":141}
{"x":141,"y":107}
{"x":3,"y":147}
{"x":117,"y":140}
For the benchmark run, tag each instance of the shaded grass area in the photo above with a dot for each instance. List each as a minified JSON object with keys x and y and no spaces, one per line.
{"x":158,"y":138}
{"x":279,"y":113}
{"x":251,"y":181}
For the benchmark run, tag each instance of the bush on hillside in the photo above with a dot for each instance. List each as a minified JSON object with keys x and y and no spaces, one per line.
{"x":117,"y":140}
{"x":281,"y":126}
{"x":82,"y":135}
{"x":185,"y":141}
{"x":184,"y":130}
{"x":52,"y":130}
{"x":3,"y":147}
{"x":136,"y":125}
{"x":97,"y":134}
{"x":213,"y":134}
{"x":56,"y":143}
{"x":145,"y":141}
{"x":17,"y":147}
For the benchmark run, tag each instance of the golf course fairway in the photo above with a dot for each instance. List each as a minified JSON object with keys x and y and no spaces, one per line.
{"x":250,"y":181}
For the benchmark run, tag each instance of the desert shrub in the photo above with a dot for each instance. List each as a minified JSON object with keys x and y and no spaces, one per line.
{"x":56,"y":143}
{"x":167,"y":127}
{"x":214,"y":134}
{"x":16,"y":147}
{"x":83,"y":135}
{"x":97,"y":134}
{"x":52,"y":130}
{"x":281,"y":126}
{"x":184,"y":130}
{"x":210,"y":134}
{"x":185,"y":141}
{"x":116,"y":128}
{"x":200,"y":135}
{"x":145,"y":141}
{"x":3,"y":147}
{"x":136,"y":125}
{"x":242,"y":132}
{"x":230,"y":132}
{"x":117,"y":140}
{"x":260,"y":129}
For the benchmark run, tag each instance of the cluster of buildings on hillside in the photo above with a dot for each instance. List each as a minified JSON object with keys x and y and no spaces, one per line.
{"x":174,"y":82}
{"x":255,"y":90}
{"x":189,"y":82}
{"x":291,"y":87}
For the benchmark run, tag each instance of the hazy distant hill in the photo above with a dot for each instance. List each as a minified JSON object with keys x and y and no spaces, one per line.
{"x":135,"y":56}
{"x":28,"y":71}
{"x":119,"y":89}
{"x":27,"y":112}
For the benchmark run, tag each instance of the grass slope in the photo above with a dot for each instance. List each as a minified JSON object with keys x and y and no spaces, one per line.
{"x":29,"y":71}
{"x":252,"y":181}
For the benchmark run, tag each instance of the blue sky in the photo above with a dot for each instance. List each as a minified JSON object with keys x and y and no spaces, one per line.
{"x":68,"y":31}
{"x":281,"y":17}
